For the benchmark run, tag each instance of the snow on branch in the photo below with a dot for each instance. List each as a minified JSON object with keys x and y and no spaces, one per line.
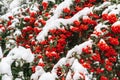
{"x":49,"y":0}
{"x":13,"y":11}
{"x":105,"y":4}
{"x":78,"y":48}
{"x":17,"y":53}
{"x":56,"y":23}
{"x":47,"y":76}
{"x":99,"y":27}
{"x":112,"y":9}
{"x":15,"y":3}
{"x":54,"y":18}
{"x":13,"y":7}
{"x":21,"y":53}
{"x":59,"y":10}
{"x":39,"y":71}
{"x":75,"y":65}
{"x":61,"y":62}
{"x":79,"y":69}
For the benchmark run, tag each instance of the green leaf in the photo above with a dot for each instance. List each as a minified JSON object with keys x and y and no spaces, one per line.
{"x":0,"y":77}
{"x":55,"y":43}
{"x":21,"y":24}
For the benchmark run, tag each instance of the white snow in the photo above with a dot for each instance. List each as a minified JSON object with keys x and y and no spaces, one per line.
{"x":59,"y":9}
{"x":6,"y":77}
{"x":15,"y":3}
{"x":116,"y":23}
{"x":21,"y":53}
{"x":46,"y":76}
{"x":5,"y":68}
{"x":105,"y":4}
{"x":114,"y":12}
{"x":85,"y":17}
{"x":49,"y":0}
{"x":13,"y":11}
{"x":18,"y":79}
{"x":70,"y":60}
{"x":14,"y":22}
{"x":13,"y":7}
{"x":112,"y":9}
{"x":78,"y":68}
{"x":1,"y":3}
{"x":99,"y":27}
{"x":1,"y":54}
{"x":39,"y":71}
{"x":68,"y":77}
{"x":102,"y":40}
{"x":17,"y":32}
{"x":6,"y":2}
{"x":34,"y":7}
{"x":61,"y":62}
